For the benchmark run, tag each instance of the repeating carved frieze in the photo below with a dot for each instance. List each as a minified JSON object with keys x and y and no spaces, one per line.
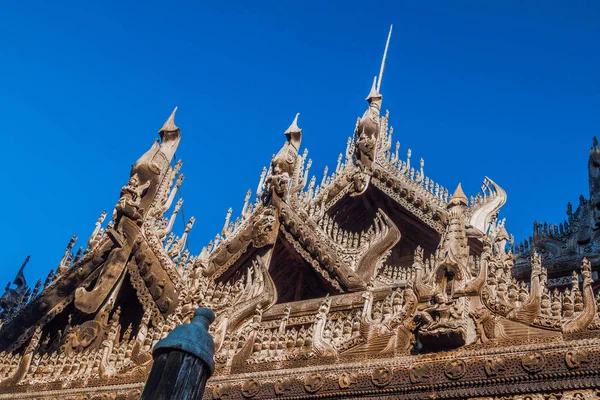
{"x":533,"y":362}
{"x":313,"y":382}
{"x":250,"y":388}
{"x":382,"y":376}
{"x":455,"y":369}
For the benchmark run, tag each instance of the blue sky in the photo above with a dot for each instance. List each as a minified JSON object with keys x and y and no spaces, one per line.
{"x":506,"y":89}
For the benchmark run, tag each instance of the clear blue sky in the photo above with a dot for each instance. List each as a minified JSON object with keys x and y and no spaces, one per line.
{"x":508,"y":89}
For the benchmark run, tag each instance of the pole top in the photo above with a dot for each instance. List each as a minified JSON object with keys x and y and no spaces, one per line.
{"x":192,"y":338}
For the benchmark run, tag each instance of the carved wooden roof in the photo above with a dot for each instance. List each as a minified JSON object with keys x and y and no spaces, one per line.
{"x":375,"y":283}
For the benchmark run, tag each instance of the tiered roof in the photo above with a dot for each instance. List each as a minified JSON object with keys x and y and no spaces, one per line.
{"x":374,"y":282}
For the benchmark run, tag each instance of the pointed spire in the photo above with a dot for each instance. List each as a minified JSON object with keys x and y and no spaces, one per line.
{"x":459,"y":197}
{"x":293,"y":128}
{"x":169,"y":125}
{"x":20,"y":278}
{"x":374,"y":93}
{"x":387,"y":44}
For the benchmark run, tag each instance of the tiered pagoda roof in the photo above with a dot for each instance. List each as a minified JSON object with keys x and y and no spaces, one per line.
{"x":375,"y":282}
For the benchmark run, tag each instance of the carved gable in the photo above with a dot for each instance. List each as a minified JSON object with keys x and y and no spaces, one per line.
{"x":376,"y":282}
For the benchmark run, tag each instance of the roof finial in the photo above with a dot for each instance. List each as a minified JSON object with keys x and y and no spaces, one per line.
{"x":374,"y":93}
{"x":294,"y":126}
{"x":387,"y":44}
{"x":459,"y":197}
{"x":19,"y":280}
{"x":169,"y":125}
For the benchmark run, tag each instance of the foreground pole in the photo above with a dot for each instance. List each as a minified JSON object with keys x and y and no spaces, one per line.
{"x":183,"y":361}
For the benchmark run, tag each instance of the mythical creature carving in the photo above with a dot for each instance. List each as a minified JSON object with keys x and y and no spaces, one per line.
{"x":367,"y":133}
{"x":455,"y":369}
{"x":313,"y":382}
{"x":382,"y":376}
{"x":387,"y":330}
{"x":533,"y":362}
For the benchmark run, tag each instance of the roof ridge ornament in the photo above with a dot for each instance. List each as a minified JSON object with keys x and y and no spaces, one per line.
{"x":169,"y":125}
{"x":283,"y":164}
{"x":20,"y":280}
{"x":293,"y":128}
{"x":374,"y":93}
{"x":459,"y":197}
{"x":367,"y":130}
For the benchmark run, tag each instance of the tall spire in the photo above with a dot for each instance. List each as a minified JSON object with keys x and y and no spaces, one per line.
{"x":387,"y":44}
{"x":169,"y":125}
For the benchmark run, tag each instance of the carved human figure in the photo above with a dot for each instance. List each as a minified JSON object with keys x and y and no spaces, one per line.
{"x":283,"y":164}
{"x":131,"y":196}
{"x":441,"y":313}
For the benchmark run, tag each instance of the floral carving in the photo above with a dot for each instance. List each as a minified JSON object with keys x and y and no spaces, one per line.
{"x":533,"y":362}
{"x":313,"y":383}
{"x":455,"y":369}
{"x":382,"y":376}
{"x":250,"y":388}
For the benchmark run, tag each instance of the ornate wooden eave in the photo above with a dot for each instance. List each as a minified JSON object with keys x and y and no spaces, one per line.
{"x":53,"y":299}
{"x":256,"y":230}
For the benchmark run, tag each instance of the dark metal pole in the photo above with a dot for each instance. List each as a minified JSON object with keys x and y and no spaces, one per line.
{"x":183,"y":361}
